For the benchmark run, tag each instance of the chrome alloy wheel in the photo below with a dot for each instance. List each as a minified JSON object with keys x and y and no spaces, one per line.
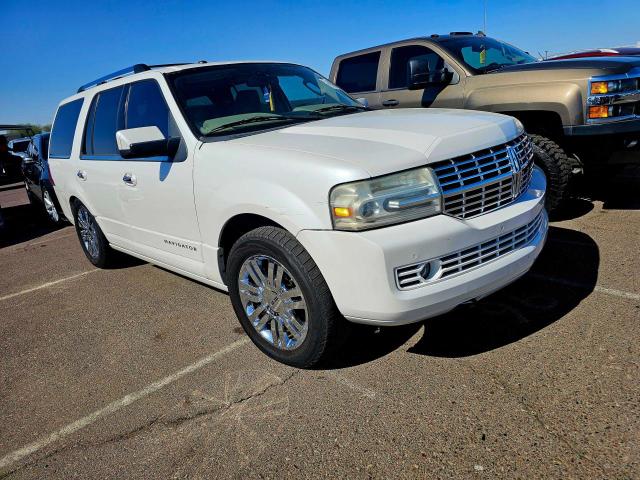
{"x":273,"y":302}
{"x":50,"y":207}
{"x":88,"y":232}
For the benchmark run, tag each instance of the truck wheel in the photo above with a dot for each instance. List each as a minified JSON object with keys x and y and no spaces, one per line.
{"x":282,"y":299}
{"x":93,"y":242}
{"x":557,"y":167}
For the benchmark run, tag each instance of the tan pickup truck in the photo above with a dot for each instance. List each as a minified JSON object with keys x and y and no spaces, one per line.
{"x":579,"y":112}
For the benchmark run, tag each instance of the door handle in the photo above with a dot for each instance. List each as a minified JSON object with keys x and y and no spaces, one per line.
{"x":129,"y":179}
{"x":390,"y":103}
{"x":82,"y":175}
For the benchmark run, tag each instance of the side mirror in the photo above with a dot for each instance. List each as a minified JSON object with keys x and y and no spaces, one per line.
{"x":363,"y":101}
{"x":145,"y":142}
{"x":421,"y":77}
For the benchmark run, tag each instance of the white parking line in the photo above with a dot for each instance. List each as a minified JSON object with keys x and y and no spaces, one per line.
{"x":584,"y":286}
{"x":47,"y":285}
{"x":116,"y":405}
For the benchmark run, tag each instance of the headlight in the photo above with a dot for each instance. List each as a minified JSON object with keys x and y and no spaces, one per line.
{"x":381,"y":201}
{"x":615,"y":98}
{"x":614,"y":86}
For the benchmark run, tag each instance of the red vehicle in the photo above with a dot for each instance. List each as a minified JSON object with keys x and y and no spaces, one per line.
{"x":601,"y":52}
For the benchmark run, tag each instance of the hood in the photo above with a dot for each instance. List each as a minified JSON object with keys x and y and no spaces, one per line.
{"x":386,"y":141}
{"x":608,"y":65}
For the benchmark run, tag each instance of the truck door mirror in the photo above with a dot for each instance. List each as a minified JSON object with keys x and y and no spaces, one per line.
{"x":421,"y":77}
{"x":145,"y":142}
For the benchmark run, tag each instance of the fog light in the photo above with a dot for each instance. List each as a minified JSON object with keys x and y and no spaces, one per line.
{"x":599,"y":111}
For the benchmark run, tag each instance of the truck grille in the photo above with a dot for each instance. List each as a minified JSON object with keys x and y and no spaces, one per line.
{"x":483,"y":181}
{"x":419,"y":274}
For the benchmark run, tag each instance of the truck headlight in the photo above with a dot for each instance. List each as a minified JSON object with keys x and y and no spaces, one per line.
{"x":614,"y":86}
{"x":614,"y":99}
{"x":395,"y":198}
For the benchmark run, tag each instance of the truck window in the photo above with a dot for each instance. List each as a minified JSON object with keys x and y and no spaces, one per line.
{"x":64,"y":128}
{"x":400,"y":57}
{"x":103,"y":121}
{"x":358,"y":74}
{"x":146,"y":107}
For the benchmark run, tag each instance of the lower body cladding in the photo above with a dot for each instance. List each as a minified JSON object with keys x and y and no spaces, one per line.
{"x":409,"y":272}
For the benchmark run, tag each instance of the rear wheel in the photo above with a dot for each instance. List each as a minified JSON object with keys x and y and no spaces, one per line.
{"x":93,"y":242}
{"x":282,"y":299}
{"x":50,"y":207}
{"x":557,"y":167}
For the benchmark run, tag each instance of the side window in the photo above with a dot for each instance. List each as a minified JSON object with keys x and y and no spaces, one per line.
{"x":400,"y":57}
{"x":107,"y":122}
{"x":358,"y":74}
{"x":146,"y":107}
{"x":64,"y":128}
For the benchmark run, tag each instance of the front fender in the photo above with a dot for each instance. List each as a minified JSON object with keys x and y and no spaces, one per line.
{"x":563,"y":98}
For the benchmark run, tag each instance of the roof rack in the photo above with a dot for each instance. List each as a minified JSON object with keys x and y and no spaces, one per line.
{"x":137,"y":68}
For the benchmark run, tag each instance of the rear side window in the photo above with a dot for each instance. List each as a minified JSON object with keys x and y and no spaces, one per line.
{"x":107,"y":121}
{"x":64,"y":128}
{"x":358,"y":74}
{"x":146,"y":107}
{"x":400,"y":57}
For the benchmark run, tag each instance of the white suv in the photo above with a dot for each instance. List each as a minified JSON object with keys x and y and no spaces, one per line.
{"x":267,"y":181}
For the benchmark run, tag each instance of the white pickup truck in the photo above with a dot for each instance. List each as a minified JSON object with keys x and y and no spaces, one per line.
{"x":267,"y":181}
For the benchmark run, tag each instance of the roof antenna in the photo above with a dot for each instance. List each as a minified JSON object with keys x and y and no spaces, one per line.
{"x":484,"y":27}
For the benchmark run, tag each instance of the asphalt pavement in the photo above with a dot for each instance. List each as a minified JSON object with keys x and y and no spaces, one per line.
{"x":135,"y":372}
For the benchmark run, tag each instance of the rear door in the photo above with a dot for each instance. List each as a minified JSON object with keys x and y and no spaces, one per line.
{"x":99,"y":174}
{"x":358,"y":75}
{"x":395,"y":67}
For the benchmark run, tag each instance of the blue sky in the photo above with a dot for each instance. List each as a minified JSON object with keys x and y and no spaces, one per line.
{"x":50,"y":48}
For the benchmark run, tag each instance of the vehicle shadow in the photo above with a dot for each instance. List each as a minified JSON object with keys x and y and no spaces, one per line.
{"x":23,"y":223}
{"x":564,"y":274}
{"x":615,"y":187}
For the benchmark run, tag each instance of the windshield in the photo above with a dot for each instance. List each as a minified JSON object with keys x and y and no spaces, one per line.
{"x":229,"y":98}
{"x":483,"y":54}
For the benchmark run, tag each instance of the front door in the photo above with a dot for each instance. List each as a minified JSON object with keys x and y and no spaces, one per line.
{"x":395,"y":93}
{"x":157,"y":193}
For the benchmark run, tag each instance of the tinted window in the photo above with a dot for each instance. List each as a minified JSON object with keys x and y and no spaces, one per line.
{"x":64,"y":127}
{"x":400,"y":57}
{"x":358,"y":74}
{"x":106,"y":122}
{"x":483,"y":54}
{"x":146,"y":107}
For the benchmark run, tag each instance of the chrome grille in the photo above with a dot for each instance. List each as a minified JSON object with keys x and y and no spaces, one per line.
{"x":418,"y":274}
{"x":483,"y":181}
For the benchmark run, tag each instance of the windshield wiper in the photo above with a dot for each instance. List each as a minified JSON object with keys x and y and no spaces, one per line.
{"x":340,"y":108}
{"x":256,"y":119}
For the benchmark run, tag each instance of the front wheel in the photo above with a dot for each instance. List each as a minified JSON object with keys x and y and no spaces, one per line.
{"x":282,"y":299}
{"x":557,"y":167}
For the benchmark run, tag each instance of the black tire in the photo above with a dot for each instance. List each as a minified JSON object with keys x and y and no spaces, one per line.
{"x":54,"y":217}
{"x":325,"y":325}
{"x":102,"y":256}
{"x":557,"y":167}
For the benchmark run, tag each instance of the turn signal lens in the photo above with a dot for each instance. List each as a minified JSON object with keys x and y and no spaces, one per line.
{"x":342,"y":212}
{"x":599,"y":87}
{"x":599,"y":111}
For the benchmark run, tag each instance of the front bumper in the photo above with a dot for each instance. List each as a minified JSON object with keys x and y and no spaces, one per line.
{"x":627,"y":127}
{"x":360,"y":267}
